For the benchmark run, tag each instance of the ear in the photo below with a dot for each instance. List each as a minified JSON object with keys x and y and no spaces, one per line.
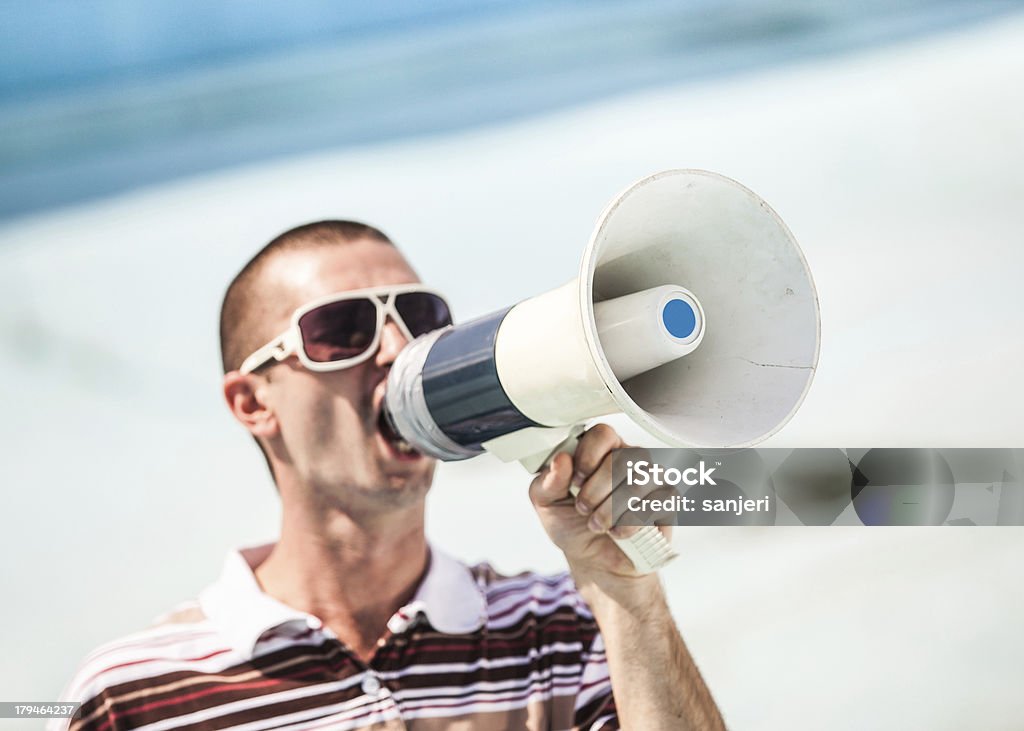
{"x":245,"y":395}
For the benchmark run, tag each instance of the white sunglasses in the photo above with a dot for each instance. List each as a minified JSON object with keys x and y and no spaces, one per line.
{"x":344,"y":329}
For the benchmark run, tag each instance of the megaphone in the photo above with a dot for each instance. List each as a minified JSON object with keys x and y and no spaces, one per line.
{"x":694,"y":313}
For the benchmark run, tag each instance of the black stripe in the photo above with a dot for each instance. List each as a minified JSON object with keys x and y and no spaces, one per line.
{"x":461,"y":386}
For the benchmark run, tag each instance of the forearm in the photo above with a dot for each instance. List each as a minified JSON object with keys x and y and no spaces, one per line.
{"x":654,"y":679}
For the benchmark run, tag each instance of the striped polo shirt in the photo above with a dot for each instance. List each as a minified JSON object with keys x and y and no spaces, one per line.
{"x":472,"y":650}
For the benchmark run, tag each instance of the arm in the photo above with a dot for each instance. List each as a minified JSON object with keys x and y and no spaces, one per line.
{"x":655,"y":681}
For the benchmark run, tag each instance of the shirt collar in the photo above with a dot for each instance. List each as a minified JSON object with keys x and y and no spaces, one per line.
{"x":448,"y":597}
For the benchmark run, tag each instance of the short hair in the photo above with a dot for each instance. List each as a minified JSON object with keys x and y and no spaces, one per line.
{"x":243,"y":312}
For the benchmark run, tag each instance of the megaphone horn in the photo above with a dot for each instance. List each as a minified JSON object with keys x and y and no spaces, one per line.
{"x":694,"y":313}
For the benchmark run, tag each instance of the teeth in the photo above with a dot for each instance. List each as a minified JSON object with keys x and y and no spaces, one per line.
{"x":403,"y":446}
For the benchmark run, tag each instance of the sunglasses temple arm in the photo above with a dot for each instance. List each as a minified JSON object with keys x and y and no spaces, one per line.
{"x":277,"y":349}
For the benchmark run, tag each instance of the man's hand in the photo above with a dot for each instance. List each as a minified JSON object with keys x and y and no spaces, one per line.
{"x":582,"y":527}
{"x":654,"y":679}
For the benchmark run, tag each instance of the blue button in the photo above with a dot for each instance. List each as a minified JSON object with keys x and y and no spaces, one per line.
{"x":679,"y":318}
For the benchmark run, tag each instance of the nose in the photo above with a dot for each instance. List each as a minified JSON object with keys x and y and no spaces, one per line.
{"x":391,"y":343}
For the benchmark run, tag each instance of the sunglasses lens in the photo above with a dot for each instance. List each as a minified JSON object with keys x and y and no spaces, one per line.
{"x":422,"y":312}
{"x":338,"y":330}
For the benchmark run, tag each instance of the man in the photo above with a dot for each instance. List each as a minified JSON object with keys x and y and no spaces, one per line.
{"x":351,"y":620}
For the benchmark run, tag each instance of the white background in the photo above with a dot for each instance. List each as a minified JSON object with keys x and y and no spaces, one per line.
{"x":900,"y":172}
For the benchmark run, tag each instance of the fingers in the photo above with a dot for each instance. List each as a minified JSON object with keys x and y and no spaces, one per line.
{"x":629,"y":506}
{"x":607,"y":513}
{"x":596,"y":488}
{"x":595,"y":444}
{"x":629,"y":519}
{"x":551,"y":485}
{"x":603,"y":481}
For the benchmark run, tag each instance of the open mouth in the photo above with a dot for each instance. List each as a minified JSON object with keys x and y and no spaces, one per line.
{"x":393,"y":439}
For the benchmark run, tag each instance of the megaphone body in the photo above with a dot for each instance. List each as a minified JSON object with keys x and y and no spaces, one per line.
{"x":694,"y":313}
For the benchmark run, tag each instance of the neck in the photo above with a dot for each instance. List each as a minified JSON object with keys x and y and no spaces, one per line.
{"x":352,"y":575}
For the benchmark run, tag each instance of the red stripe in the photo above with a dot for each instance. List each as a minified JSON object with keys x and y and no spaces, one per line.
{"x":495,"y":592}
{"x":333,"y":718}
{"x":415,"y":649}
{"x":146,"y":643}
{"x":217,"y":688}
{"x":510,"y":695}
{"x":410,"y":705}
{"x":113,"y":714}
{"x":533,"y":600}
{"x":220,"y":688}
{"x":591,"y":684}
{"x":155,"y":659}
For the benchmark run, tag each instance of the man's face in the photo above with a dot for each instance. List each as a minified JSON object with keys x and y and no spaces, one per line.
{"x":328,"y":433}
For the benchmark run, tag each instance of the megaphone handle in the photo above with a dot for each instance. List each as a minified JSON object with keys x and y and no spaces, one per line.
{"x":648,"y":548}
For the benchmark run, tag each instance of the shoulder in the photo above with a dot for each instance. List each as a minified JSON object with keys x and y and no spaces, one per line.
{"x":181,"y":639}
{"x":512,"y":598}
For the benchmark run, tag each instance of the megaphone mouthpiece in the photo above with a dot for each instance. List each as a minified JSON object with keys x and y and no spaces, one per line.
{"x":644,"y":330}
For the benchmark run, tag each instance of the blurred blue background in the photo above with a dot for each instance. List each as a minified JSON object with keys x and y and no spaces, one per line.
{"x":100,"y":96}
{"x":148,"y":149}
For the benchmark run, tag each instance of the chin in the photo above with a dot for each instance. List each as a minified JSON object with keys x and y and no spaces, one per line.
{"x":402,"y":473}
